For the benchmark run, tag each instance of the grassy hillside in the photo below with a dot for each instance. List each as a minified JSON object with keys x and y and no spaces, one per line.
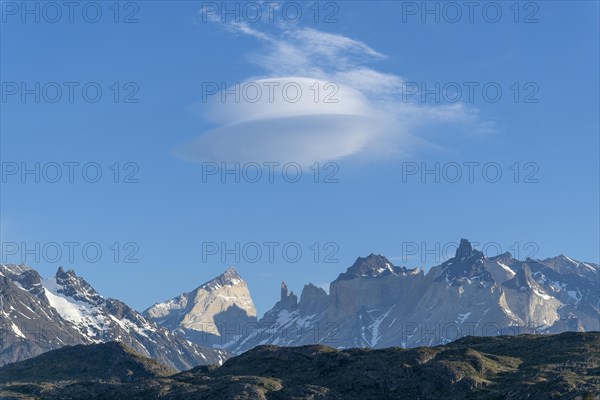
{"x":507,"y":367}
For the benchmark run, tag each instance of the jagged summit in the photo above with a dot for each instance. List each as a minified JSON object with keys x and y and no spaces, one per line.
{"x":67,"y":275}
{"x":467,"y":263}
{"x":231,"y":273}
{"x":287,"y":301}
{"x":13,"y":269}
{"x":67,"y":283}
{"x":284,"y":290}
{"x":228,"y":278}
{"x":219,"y":305}
{"x":464,"y":250}
{"x":62,"y":271}
{"x":372,"y":266}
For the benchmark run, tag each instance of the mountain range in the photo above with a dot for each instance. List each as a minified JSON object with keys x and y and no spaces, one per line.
{"x":376,"y":304}
{"x":38,"y":315}
{"x":372,"y":304}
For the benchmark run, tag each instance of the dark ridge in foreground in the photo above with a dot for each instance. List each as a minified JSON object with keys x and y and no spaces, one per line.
{"x":565,"y":366}
{"x":112,"y":361}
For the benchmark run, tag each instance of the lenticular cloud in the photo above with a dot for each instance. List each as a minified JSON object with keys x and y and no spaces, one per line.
{"x":318,"y":103}
{"x":299,"y":120}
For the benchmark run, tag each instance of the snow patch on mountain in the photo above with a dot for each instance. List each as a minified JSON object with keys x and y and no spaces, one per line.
{"x":506,"y":268}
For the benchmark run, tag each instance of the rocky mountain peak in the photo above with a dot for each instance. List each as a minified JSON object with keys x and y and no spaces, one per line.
{"x":464,"y":250}
{"x":312,"y":300}
{"x":13,"y":269}
{"x":65,"y":276}
{"x":372,"y":266}
{"x":69,"y":284}
{"x":467,"y":263}
{"x":228,"y":278}
{"x":287,"y":301}
{"x":566,"y":265}
{"x":211,"y":312}
{"x":231,"y":273}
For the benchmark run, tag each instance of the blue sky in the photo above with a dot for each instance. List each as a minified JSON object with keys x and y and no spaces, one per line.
{"x":376,"y":57}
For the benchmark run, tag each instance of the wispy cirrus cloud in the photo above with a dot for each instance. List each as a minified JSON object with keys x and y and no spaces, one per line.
{"x":346,"y":108}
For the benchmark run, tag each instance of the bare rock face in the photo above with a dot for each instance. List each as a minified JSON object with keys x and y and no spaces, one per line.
{"x":314,"y":299}
{"x":371,"y":283}
{"x":287,"y":301}
{"x":212,"y":314}
{"x":38,"y":315}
